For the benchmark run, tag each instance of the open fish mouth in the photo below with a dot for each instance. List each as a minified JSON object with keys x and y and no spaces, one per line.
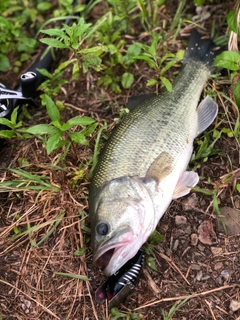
{"x":113,"y":247}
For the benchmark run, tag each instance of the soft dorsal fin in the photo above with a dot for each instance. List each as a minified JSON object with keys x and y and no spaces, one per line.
{"x":161,"y":167}
{"x":207,"y":112}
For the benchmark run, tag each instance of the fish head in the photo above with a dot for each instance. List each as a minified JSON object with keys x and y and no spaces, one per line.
{"x":124,"y":219}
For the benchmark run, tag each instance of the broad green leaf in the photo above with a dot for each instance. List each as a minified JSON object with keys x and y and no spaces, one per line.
{"x":45,"y":73}
{"x":168,"y":66}
{"x":6,"y":122}
{"x":54,"y":43}
{"x":41,"y":129}
{"x":238,"y":187}
{"x":14,"y":116}
{"x":148,"y":59}
{"x":232,"y":21}
{"x":6,"y":134}
{"x":105,"y":80}
{"x":89,"y":129}
{"x":44,"y":6}
{"x":134,"y":50}
{"x":81,"y":27}
{"x":56,"y":32}
{"x":127,"y":80}
{"x":52,"y":109}
{"x":199,"y":3}
{"x":228,"y":59}
{"x":53,"y":141}
{"x":153,"y":48}
{"x":95,"y":50}
{"x":79,"y":138}
{"x":112,"y":49}
{"x":4,"y":63}
{"x":180,"y":54}
{"x":167,"y":84}
{"x":83,"y":121}
{"x":64,"y":126}
{"x":167,"y":55}
{"x":152,"y":82}
{"x":236,"y":92}
{"x":151,"y":263}
{"x":75,"y":71}
{"x":91,"y":61}
{"x":64,"y":64}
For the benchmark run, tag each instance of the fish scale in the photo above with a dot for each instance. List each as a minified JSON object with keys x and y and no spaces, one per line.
{"x":142,"y":166}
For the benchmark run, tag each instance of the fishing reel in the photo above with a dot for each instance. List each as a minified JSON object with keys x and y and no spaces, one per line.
{"x":118,"y":285}
{"x":9,"y":99}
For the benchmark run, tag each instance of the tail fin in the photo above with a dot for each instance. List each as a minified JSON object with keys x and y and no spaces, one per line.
{"x":201,"y":49}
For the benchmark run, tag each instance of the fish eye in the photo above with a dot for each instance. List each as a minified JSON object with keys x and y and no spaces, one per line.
{"x":102,"y":228}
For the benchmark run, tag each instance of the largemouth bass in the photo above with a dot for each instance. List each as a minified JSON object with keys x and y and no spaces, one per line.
{"x":142,"y":167}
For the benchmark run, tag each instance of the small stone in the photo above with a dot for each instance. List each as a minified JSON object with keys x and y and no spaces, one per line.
{"x":218,"y":266}
{"x":179,"y":220}
{"x":199,"y":275}
{"x":234,"y":305}
{"x":175,"y":245}
{"x":237,"y":202}
{"x":190,"y":202}
{"x":201,"y":247}
{"x":216,"y":250}
{"x":195,"y":266}
{"x":225,"y":274}
{"x":219,"y":281}
{"x":194,"y":239}
{"x":188,"y":229}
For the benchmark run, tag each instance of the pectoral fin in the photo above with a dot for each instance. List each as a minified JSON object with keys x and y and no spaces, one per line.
{"x":161,"y":167}
{"x":207,"y":112}
{"x":187,"y":180}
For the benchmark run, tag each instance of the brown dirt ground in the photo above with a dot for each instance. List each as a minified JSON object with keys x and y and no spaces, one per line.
{"x":208,"y":272}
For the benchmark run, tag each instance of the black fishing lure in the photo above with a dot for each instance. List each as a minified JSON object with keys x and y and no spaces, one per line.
{"x":118,"y":285}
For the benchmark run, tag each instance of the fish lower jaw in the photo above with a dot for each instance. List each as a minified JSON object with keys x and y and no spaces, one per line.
{"x":104,"y":259}
{"x":107,"y":255}
{"x":107,"y":260}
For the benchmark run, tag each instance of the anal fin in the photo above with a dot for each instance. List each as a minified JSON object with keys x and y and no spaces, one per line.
{"x":187,"y":180}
